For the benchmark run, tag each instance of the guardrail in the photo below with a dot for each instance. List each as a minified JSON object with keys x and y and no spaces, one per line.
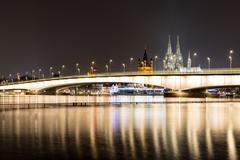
{"x":213,"y":71}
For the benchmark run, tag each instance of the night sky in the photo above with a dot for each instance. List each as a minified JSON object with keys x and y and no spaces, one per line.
{"x":38,"y":34}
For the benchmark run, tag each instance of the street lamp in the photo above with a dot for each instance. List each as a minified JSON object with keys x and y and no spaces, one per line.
{"x":230,"y":62}
{"x":230,"y":57}
{"x":124,"y":67}
{"x":10,"y":77}
{"x":18,"y":76}
{"x":194,"y":59}
{"x":110,"y":65}
{"x":26,"y":76}
{"x":106,"y":66}
{"x":50,"y":71}
{"x":164,"y":64}
{"x":63,"y":68}
{"x":78,"y":70}
{"x":209,"y":62}
{"x":91,"y":69}
{"x":33,"y":74}
{"x":155,"y":62}
{"x":59,"y":73}
{"x":52,"y":74}
{"x":77,"y":64}
{"x":39,"y":72}
{"x":130,"y":64}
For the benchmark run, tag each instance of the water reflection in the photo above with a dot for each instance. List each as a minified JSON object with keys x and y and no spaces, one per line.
{"x":127,"y":131}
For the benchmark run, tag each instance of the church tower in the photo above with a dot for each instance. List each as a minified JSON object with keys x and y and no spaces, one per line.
{"x":178,"y":56}
{"x":168,"y":61}
{"x":145,"y":64}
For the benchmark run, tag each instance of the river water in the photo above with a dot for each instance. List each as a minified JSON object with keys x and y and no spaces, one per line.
{"x":177,"y":130}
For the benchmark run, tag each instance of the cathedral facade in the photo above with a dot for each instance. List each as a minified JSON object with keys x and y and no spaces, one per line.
{"x":173,"y":61}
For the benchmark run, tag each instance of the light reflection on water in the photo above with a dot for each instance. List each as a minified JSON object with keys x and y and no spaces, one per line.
{"x":61,"y":99}
{"x":126,"y":131}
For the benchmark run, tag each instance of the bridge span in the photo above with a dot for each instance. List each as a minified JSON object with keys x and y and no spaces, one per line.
{"x":172,"y":80}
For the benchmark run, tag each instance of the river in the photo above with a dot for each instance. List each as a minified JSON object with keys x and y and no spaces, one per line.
{"x":166,"y":129}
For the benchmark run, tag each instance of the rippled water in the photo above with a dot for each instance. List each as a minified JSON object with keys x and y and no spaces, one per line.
{"x":123,"y":131}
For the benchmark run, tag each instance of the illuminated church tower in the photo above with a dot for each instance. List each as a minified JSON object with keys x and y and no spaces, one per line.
{"x":168,"y":61}
{"x":145,"y":65}
{"x":178,"y":56}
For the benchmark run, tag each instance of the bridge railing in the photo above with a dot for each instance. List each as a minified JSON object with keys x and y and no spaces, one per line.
{"x":213,"y":71}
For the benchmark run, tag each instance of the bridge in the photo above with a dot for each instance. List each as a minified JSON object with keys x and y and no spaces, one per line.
{"x":181,"y":81}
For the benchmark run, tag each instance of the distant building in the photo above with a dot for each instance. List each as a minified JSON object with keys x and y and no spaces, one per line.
{"x":174,"y":62}
{"x":145,"y":64}
{"x":189,"y":67}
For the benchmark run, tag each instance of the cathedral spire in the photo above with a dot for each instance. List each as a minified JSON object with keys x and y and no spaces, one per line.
{"x":178,"y":50}
{"x":169,"y":50}
{"x":169,"y":59}
{"x":179,"y":58}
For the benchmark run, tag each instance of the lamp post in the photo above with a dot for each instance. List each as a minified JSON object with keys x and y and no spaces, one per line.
{"x":194,"y":59}
{"x":10,"y":77}
{"x":26,"y":76}
{"x":33,"y":74}
{"x":209,"y":63}
{"x":18,"y":76}
{"x":63,"y":68}
{"x":155,"y":62}
{"x":124,"y":67}
{"x":130,"y":64}
{"x":52,"y":74}
{"x":76,"y":65}
{"x":230,"y":62}
{"x":39,"y":73}
{"x":59,"y":73}
{"x":78,"y":71}
{"x":164,"y":64}
{"x":91,"y":69}
{"x":230,"y":57}
{"x":50,"y":71}
{"x":110,"y":65}
{"x":106,"y":67}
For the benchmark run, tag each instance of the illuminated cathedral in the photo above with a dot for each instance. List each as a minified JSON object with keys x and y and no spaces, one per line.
{"x":173,"y":61}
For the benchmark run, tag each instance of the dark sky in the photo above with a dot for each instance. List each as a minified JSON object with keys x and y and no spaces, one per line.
{"x":38,"y":34}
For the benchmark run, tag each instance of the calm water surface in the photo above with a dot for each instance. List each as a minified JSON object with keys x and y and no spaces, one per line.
{"x":123,"y":131}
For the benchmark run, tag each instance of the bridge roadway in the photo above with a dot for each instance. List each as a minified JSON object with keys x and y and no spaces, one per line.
{"x":168,"y":79}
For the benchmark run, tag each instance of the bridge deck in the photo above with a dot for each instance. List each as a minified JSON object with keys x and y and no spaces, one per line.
{"x":223,"y":71}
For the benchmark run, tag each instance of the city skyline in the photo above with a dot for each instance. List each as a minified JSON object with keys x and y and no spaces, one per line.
{"x":131,"y":63}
